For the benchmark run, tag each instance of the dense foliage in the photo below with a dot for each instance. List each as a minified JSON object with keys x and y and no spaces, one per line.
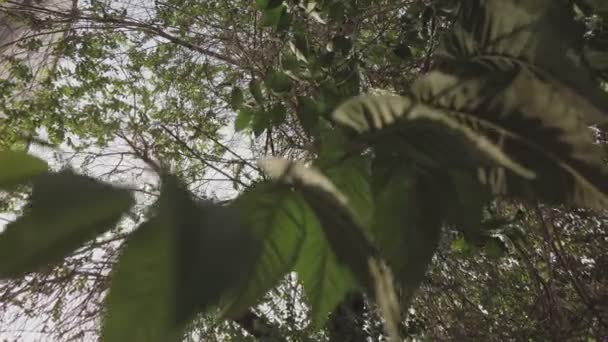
{"x":304,"y":170}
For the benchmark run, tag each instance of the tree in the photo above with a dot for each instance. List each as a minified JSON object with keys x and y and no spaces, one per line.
{"x":473,"y":110}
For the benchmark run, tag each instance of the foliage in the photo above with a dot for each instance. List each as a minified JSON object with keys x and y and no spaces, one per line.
{"x":388,"y":186}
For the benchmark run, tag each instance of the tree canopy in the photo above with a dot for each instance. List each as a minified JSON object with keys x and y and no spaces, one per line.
{"x":304,"y":170}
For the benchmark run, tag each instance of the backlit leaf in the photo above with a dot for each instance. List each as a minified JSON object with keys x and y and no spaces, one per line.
{"x":279,"y":220}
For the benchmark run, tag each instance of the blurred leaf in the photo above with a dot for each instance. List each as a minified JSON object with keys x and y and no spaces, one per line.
{"x":308,"y":114}
{"x":342,"y":44}
{"x":236,"y":98}
{"x":369,"y":114}
{"x":19,"y":167}
{"x":461,"y":246}
{"x":273,"y":3}
{"x":261,"y":122}
{"x":272,"y":16}
{"x":255,"y":87}
{"x":599,"y":6}
{"x":278,"y":81}
{"x":141,"y":303}
{"x":64,"y":211}
{"x":337,"y":11}
{"x":538,"y":124}
{"x":541,"y":35}
{"x":189,"y":257}
{"x":301,"y":44}
{"x":464,"y":200}
{"x":278,"y":114}
{"x":402,"y":51}
{"x":495,"y":247}
{"x":243,"y":119}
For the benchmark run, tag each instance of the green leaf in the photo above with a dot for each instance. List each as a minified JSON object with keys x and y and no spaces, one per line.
{"x":308,"y":115}
{"x":345,"y":234}
{"x":349,"y":172}
{"x":301,"y":44}
{"x":273,"y":16}
{"x":189,"y":257}
{"x":64,"y":212}
{"x":342,"y":44}
{"x":278,"y":81}
{"x":141,"y":303}
{"x":460,"y":245}
{"x":407,"y":222}
{"x":540,"y":35}
{"x":261,"y":122}
{"x":261,"y":4}
{"x":539,"y":124}
{"x":267,"y":4}
{"x":278,"y":114}
{"x":291,"y":62}
{"x":326,"y":282}
{"x":255,"y":88}
{"x":236,"y":98}
{"x":464,"y":198}
{"x":343,"y":230}
{"x":369,"y":115}
{"x":273,"y":3}
{"x":243,"y":119}
{"x":348,"y":82}
{"x":599,"y":6}
{"x":279,"y":219}
{"x":495,"y":247}
{"x":19,"y":167}
{"x":402,"y":51}
{"x":597,"y":58}
{"x":337,"y":11}
{"x":325,"y":278}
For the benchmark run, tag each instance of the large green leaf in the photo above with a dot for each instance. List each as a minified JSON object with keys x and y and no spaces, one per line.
{"x":65,"y":210}
{"x":407,"y":221}
{"x":18,"y":167}
{"x":342,"y":227}
{"x":348,"y":171}
{"x":535,"y":122}
{"x":511,"y":118}
{"x":141,"y":303}
{"x":292,"y":239}
{"x":326,"y":282}
{"x":276,"y":17}
{"x":538,"y":34}
{"x":279,"y":218}
{"x":423,"y":132}
{"x":185,"y":260}
{"x":344,"y":232}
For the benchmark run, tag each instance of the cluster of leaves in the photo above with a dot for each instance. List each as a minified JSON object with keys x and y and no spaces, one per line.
{"x":504,"y":112}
